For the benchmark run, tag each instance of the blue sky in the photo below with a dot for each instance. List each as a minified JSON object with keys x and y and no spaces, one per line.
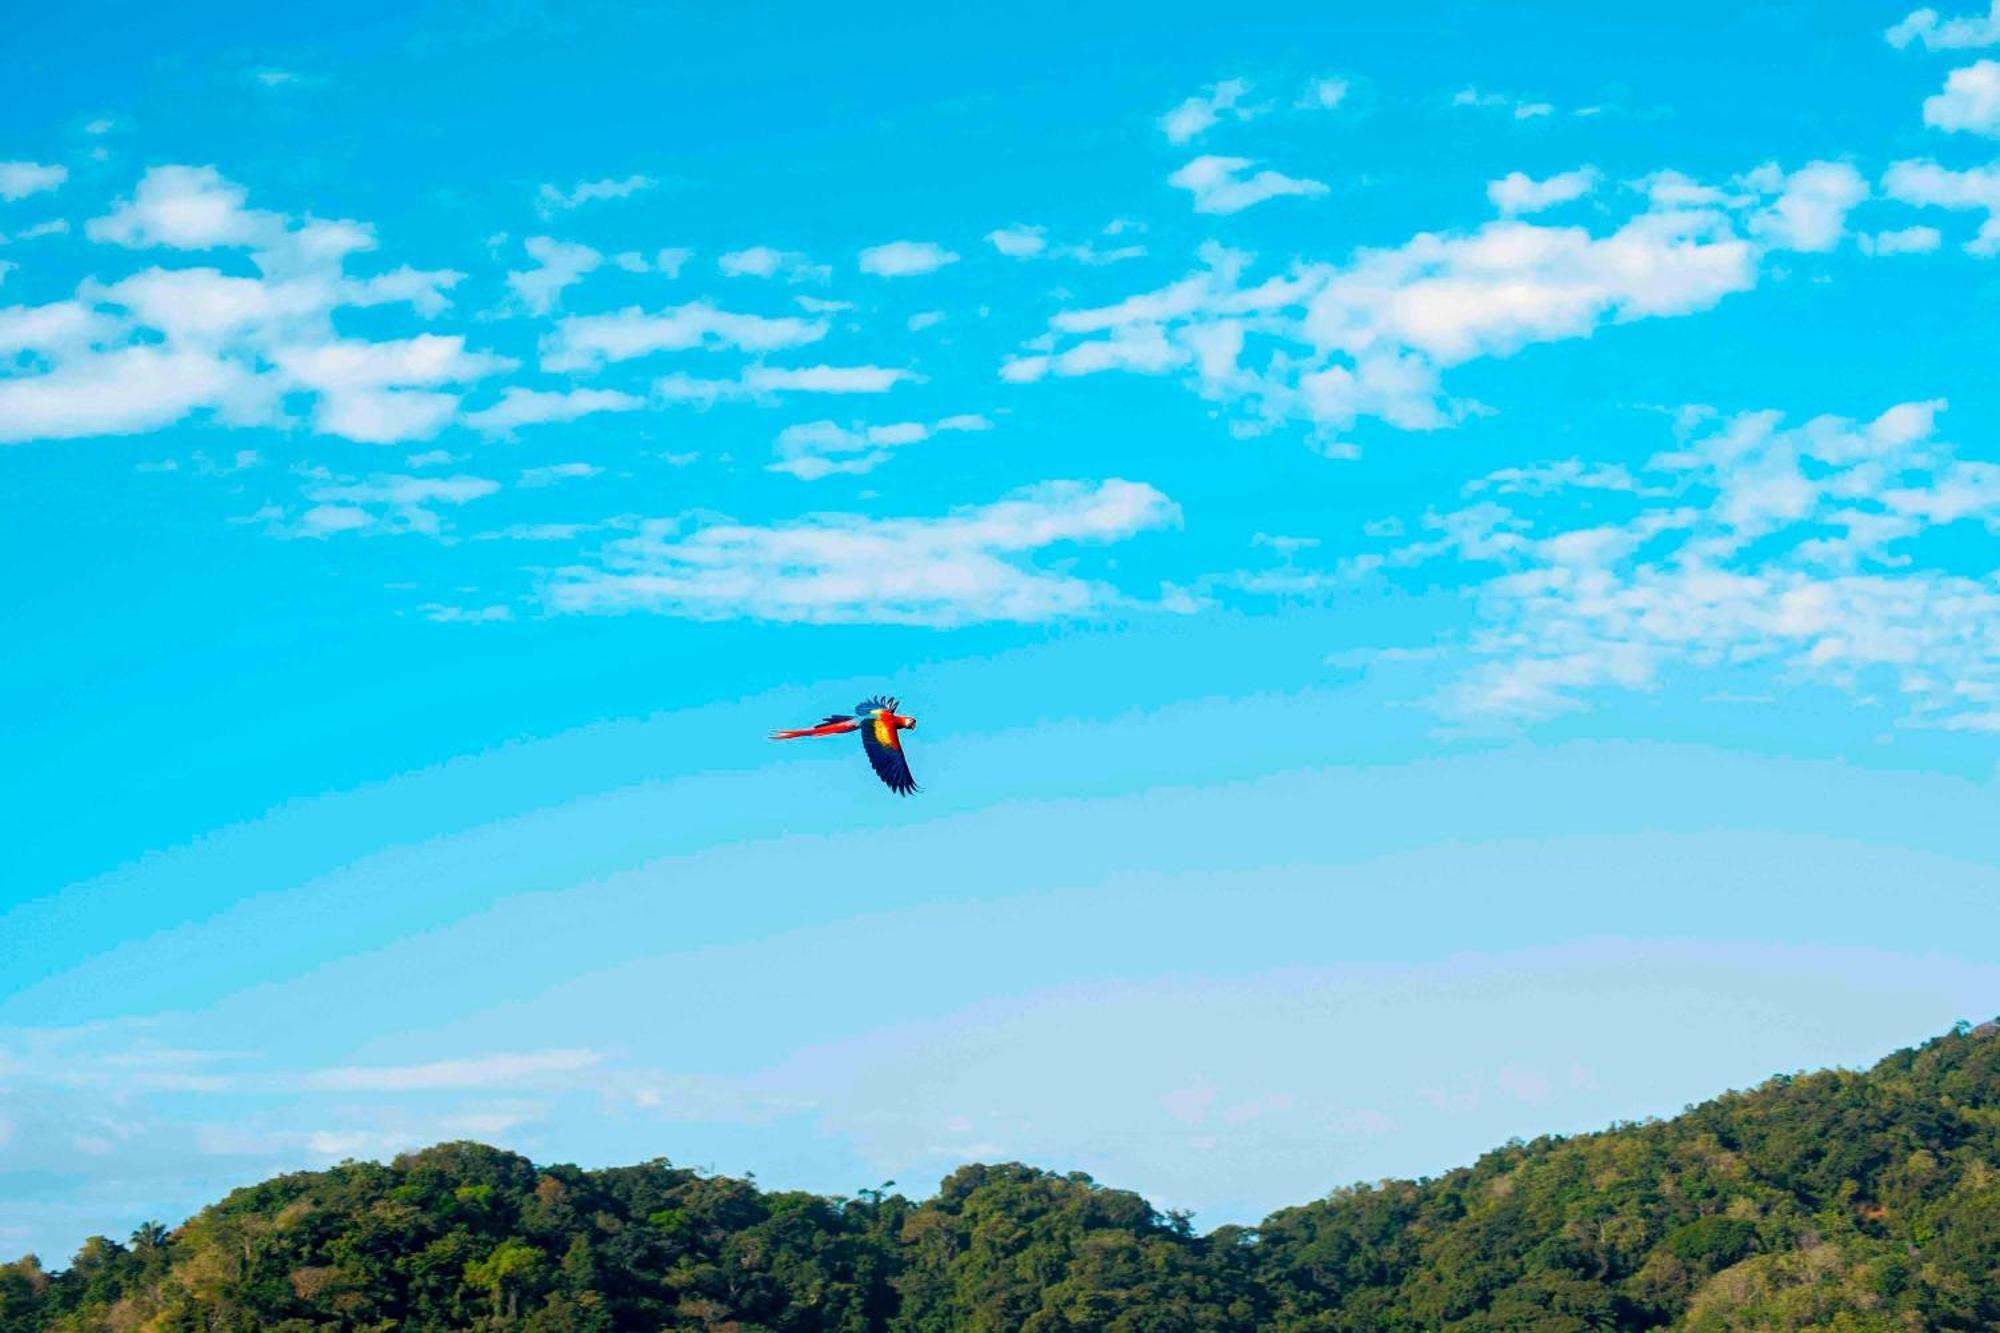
{"x":1445,"y":560}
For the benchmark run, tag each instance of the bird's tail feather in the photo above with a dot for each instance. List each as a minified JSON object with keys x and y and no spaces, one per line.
{"x":833,"y":726}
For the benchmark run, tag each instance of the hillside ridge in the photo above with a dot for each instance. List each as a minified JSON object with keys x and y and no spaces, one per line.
{"x":1844,"y":1201}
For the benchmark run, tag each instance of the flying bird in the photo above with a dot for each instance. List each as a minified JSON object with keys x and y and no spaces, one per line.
{"x":878,"y":722}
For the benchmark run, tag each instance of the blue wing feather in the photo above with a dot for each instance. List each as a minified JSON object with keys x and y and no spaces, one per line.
{"x":888,"y":763}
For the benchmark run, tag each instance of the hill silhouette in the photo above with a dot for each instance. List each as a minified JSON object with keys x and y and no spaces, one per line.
{"x":1840,"y":1201}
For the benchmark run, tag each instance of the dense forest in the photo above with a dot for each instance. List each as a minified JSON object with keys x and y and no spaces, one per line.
{"x":1835,"y":1201}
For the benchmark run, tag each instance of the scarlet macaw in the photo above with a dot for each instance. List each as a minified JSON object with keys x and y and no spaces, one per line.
{"x":878,"y":722}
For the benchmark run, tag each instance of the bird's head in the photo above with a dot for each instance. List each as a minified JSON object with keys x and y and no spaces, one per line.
{"x":906,"y":723}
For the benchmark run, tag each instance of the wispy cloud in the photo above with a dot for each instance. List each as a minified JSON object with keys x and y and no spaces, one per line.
{"x":816,"y":449}
{"x":1221,"y":185}
{"x":1517,"y":193}
{"x":1369,"y":338}
{"x":550,"y":200}
{"x":18,"y":180}
{"x":123,"y":392}
{"x":555,"y":473}
{"x":385,"y":504}
{"x":1019,"y":242}
{"x":583,"y":342}
{"x":1519,"y":108}
{"x":1903,"y":241}
{"x":905,"y":259}
{"x":1925,"y":26}
{"x":1028,"y":242}
{"x":1810,"y":206}
{"x":967,"y":566}
{"x":1200,"y":113}
{"x":761,"y":261}
{"x":506,"y":1070}
{"x":1324,"y":94}
{"x":445,"y":614}
{"x":1930,"y":185}
{"x":165,"y":343}
{"x":1747,"y":546}
{"x":558,"y":265}
{"x":825,"y":379}
{"x":533,"y":407}
{"x":385,"y":392}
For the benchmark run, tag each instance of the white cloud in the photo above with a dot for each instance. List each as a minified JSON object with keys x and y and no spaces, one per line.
{"x":18,"y":180}
{"x":1219,"y":187}
{"x":1750,"y":545}
{"x":1019,"y":242}
{"x":558,"y":264}
{"x":466,"y":615}
{"x":1369,"y":338}
{"x":351,"y":364}
{"x":703,"y":393}
{"x":1517,"y":193}
{"x":1810,"y":212}
{"x":761,"y":261}
{"x":1518,"y":108}
{"x":385,"y":416}
{"x":207,"y":307}
{"x":816,"y":449}
{"x":905,"y":259}
{"x":1924,"y":26}
{"x":968,"y":566}
{"x":1970,"y":100}
{"x":1906,"y":241}
{"x":584,"y":342}
{"x":124,"y":392}
{"x":422,"y":289}
{"x":1024,"y":242}
{"x":385,"y":392}
{"x":1928,"y":184}
{"x":164,"y":343}
{"x":1324,"y":94}
{"x":825,"y":379}
{"x":185,"y":208}
{"x":533,"y":407}
{"x":1198,"y":114}
{"x":539,"y":532}
{"x":528,"y":1068}
{"x":52,"y":330}
{"x":385,"y":504}
{"x":550,"y":475}
{"x":1673,"y":189}
{"x":53,"y":227}
{"x":550,"y":200}
{"x":667,"y":262}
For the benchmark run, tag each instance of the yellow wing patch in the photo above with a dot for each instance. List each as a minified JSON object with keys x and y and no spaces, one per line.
{"x":884,"y":733}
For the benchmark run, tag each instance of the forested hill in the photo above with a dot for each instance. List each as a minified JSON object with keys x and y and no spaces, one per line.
{"x":1836,"y":1201}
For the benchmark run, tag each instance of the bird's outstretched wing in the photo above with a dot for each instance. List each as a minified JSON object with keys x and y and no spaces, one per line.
{"x":867,"y":706}
{"x":885,"y":755}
